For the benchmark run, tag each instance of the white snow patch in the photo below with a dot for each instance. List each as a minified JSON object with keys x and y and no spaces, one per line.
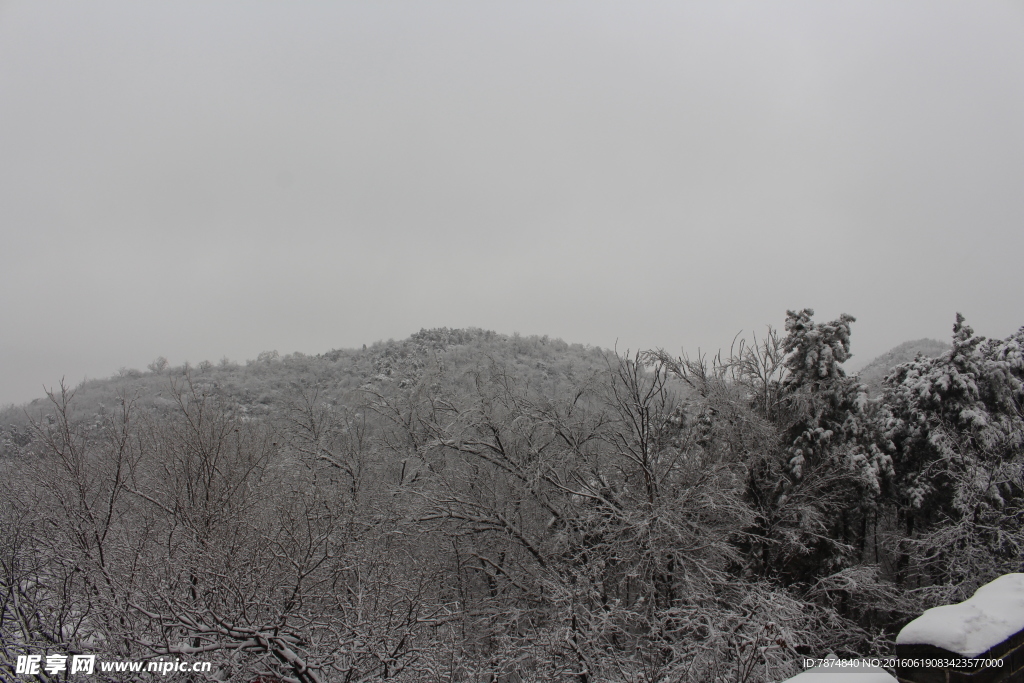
{"x":993,"y":614}
{"x":822,"y":674}
{"x":825,"y":676}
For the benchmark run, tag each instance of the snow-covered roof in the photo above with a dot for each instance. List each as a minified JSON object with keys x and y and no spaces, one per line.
{"x":969,"y":628}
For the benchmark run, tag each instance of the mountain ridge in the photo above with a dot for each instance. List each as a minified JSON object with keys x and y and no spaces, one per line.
{"x":874,"y":372}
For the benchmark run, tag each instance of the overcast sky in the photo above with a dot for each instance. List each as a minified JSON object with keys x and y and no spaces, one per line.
{"x":199,"y":180}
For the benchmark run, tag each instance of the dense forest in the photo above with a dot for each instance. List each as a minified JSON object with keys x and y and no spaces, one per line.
{"x":468,"y":506}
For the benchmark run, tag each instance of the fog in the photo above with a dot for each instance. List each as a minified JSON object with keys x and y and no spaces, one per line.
{"x":200,"y":180}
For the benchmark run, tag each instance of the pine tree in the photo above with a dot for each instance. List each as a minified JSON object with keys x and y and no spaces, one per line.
{"x":818,"y":495}
{"x":955,"y":428}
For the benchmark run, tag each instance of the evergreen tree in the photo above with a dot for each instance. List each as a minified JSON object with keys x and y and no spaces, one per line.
{"x":955,"y":427}
{"x":818,"y":494}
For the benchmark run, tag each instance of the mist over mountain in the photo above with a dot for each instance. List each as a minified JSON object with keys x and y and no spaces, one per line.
{"x":193,"y":180}
{"x":874,"y":372}
{"x":259,"y":387}
{"x":260,"y":382}
{"x":262,"y":386}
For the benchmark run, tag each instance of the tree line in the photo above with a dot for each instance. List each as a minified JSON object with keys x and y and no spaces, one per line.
{"x":470,"y":512}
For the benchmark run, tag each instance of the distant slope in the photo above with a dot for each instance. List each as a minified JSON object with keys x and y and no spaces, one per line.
{"x":264,"y":387}
{"x":874,"y":372}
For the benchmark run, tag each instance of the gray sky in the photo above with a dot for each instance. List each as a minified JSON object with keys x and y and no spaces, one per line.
{"x":198,"y":180}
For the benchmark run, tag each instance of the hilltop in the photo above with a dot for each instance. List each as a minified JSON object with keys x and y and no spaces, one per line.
{"x":259,"y":387}
{"x":874,"y":372}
